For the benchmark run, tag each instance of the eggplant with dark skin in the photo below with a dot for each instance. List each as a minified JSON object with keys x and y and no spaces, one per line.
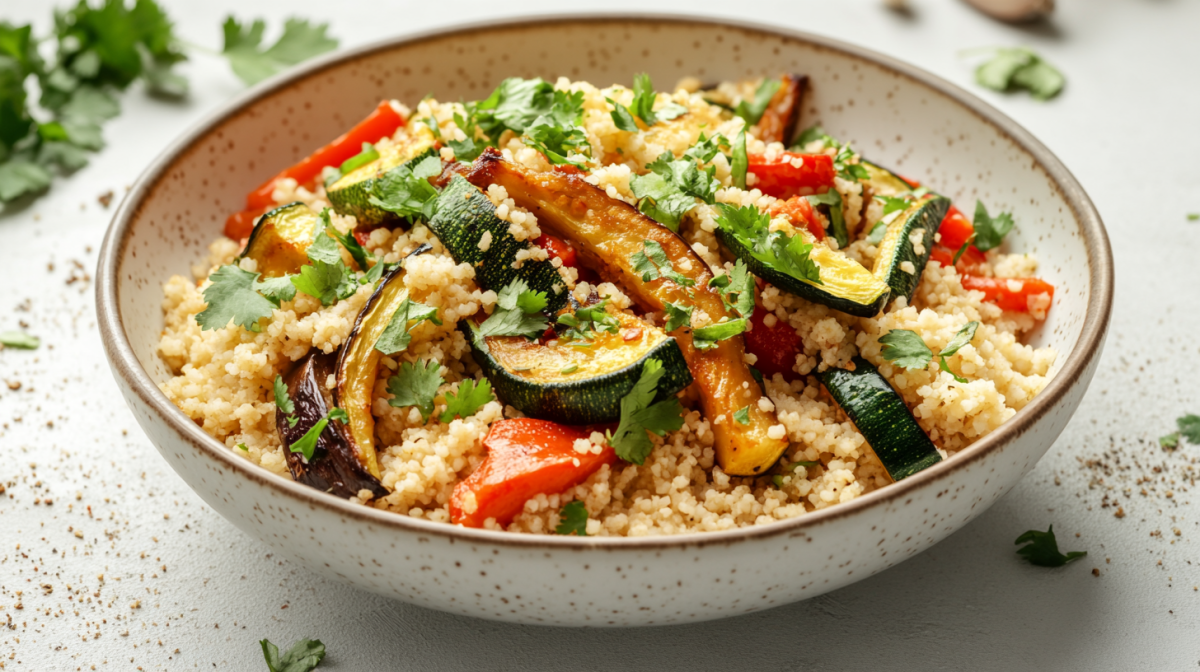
{"x":336,"y":466}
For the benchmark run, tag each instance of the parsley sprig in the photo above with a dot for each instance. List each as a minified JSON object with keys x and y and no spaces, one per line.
{"x":407,"y":191}
{"x":1041,"y":549}
{"x":98,"y":52}
{"x":303,"y":656}
{"x":469,"y":399}
{"x":642,"y":107}
{"x":518,"y":313}
{"x":548,"y":119}
{"x":396,"y":335}
{"x":416,"y":385}
{"x":906,"y":349}
{"x":572,"y":519}
{"x":640,"y":414}
{"x":786,"y":254}
{"x":671,"y":188}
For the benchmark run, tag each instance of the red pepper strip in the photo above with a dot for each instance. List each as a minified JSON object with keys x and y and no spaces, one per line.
{"x":383,"y":122}
{"x":955,"y":229}
{"x":779,"y":178}
{"x":800,"y":211}
{"x":525,"y":457}
{"x":1008,"y":293}
{"x":968,"y":263}
{"x":240,"y":224}
{"x":776,"y":347}
{"x":557,"y":248}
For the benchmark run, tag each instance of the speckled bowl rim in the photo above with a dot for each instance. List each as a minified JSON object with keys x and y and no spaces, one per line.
{"x":1096,"y":319}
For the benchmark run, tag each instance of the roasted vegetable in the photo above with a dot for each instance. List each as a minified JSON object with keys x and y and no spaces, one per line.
{"x":775,"y":347}
{"x":280,"y":240}
{"x":525,"y":458}
{"x":907,"y":243}
{"x":464,"y":217}
{"x":351,"y":193}
{"x":789,"y":174}
{"x":358,"y":362}
{"x":881,"y":416}
{"x":607,"y":233}
{"x":577,"y":382}
{"x":337,"y":466}
{"x":883,"y":182}
{"x":778,"y":123}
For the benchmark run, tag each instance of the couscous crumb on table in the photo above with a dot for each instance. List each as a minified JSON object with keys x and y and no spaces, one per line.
{"x":610,"y":312}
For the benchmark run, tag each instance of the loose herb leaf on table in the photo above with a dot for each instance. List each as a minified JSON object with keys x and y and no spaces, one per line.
{"x":1041,"y":549}
{"x":303,"y":656}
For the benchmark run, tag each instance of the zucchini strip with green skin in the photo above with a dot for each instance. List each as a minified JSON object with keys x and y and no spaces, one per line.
{"x":574,"y":385}
{"x":883,"y":419}
{"x":279,"y":242}
{"x":351,"y":193}
{"x":608,"y":232}
{"x":924,"y":216}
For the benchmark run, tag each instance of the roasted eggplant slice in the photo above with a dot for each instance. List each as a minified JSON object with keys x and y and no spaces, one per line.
{"x":778,"y":123}
{"x":577,"y":382}
{"x":279,"y":242}
{"x":607,"y":233}
{"x":336,"y":466}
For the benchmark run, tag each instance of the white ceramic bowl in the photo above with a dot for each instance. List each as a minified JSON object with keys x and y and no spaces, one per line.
{"x":895,"y":113}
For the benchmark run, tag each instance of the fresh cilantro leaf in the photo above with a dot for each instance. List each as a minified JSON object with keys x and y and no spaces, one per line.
{"x":509,"y":296}
{"x":469,"y":398}
{"x":670,"y":190}
{"x":361,"y":256}
{"x":307,"y":444}
{"x":18,"y":339}
{"x":283,"y":402}
{"x":741,"y":284}
{"x":652,"y":263}
{"x":532,"y":302}
{"x":231,"y":296}
{"x":1169,"y":441}
{"x":989,"y":231}
{"x":1041,"y":549}
{"x":786,"y":254}
{"x":464,"y":150}
{"x":1189,"y":427}
{"x":303,"y":656}
{"x":622,"y":118}
{"x":753,"y":109}
{"x":740,"y":163}
{"x":742,"y":415}
{"x":407,"y":191}
{"x":905,"y":348}
{"x":416,"y":385}
{"x":325,"y":282}
{"x":243,"y":447}
{"x":510,"y":318}
{"x":252,"y":63}
{"x":961,"y":338}
{"x":705,"y":338}
{"x":844,"y":166}
{"x":573,"y":519}
{"x":677,"y":316}
{"x":63,"y":154}
{"x":837,"y":222}
{"x":639,"y":415}
{"x":877,"y":232}
{"x":396,"y":337}
{"x":18,"y":177}
{"x":1020,"y":68}
{"x":643,"y":103}
{"x":944,"y":366}
{"x":588,"y":320}
{"x":813,"y":134}
{"x":515,"y":105}
{"x":706,"y":149}
{"x":557,"y":133}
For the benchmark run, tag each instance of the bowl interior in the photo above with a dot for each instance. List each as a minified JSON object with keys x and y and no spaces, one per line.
{"x":916,"y":128}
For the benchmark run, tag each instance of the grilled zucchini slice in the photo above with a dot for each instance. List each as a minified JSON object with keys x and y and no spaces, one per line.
{"x":351,"y":193}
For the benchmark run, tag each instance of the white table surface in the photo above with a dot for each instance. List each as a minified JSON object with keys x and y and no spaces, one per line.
{"x":1126,"y":125}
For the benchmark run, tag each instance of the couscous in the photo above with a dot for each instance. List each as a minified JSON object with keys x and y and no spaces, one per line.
{"x":612,"y":312}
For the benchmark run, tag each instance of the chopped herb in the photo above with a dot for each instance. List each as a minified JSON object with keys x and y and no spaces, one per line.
{"x":573,"y":519}
{"x":1041,"y":549}
{"x":706,"y":149}
{"x":990,"y":232}
{"x":396,"y":337}
{"x":813,"y":134}
{"x":303,"y":656}
{"x":786,"y":254}
{"x":1012,"y":68}
{"x":738,"y":283}
{"x":367,"y":155}
{"x":740,"y":163}
{"x":837,"y":222}
{"x":705,"y":338}
{"x":652,"y":263}
{"x":232,"y":296}
{"x":570,"y":368}
{"x":643,"y":104}
{"x":639,"y":415}
{"x":361,"y":256}
{"x":908,"y":350}
{"x":622,"y":118}
{"x":584,"y":324}
{"x":19,"y":339}
{"x":325,"y":282}
{"x":777,"y":480}
{"x":962,"y":249}
{"x":307,"y":444}
{"x":1169,"y":441}
{"x":677,"y":316}
{"x":283,"y":402}
{"x":514,"y":105}
{"x":466,"y":149}
{"x":416,"y":385}
{"x":557,"y":133}
{"x":407,"y":192}
{"x":510,"y":318}
{"x":469,"y":398}
{"x":671,"y":188}
{"x":753,"y":109}
{"x":243,"y":447}
{"x":276,"y":290}
{"x":300,"y":41}
{"x":742,"y":415}
{"x":1189,"y":426}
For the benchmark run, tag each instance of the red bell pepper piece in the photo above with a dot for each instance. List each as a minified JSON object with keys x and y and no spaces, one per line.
{"x":776,"y":347}
{"x":778,"y":177}
{"x":800,"y":211}
{"x":381,"y":123}
{"x":557,"y":248}
{"x":1008,"y":293}
{"x":525,"y":457}
{"x":968,"y":263}
{"x":955,"y":229}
